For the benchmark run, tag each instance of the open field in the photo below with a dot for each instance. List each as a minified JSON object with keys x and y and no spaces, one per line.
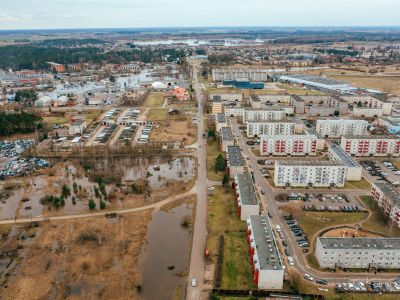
{"x":56,"y":120}
{"x":312,"y":222}
{"x":377,"y":221}
{"x":161,"y":114}
{"x":175,"y":130}
{"x":87,"y":258}
{"x":388,"y":84}
{"x":212,"y":153}
{"x":223,"y":220}
{"x":154,"y":99}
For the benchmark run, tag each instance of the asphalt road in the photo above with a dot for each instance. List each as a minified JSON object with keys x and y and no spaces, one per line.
{"x":269,"y":204}
{"x":196,"y":268}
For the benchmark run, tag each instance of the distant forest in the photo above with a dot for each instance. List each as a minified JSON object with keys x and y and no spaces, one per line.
{"x":35,"y":57}
{"x":18,"y":123}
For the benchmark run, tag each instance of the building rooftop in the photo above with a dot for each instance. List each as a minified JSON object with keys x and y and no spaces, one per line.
{"x":390,"y":191}
{"x":371,"y":137}
{"x":264,"y":109}
{"x":272,"y":121}
{"x":268,"y":256}
{"x":341,"y":121}
{"x":248,"y":195}
{"x":226,"y":134}
{"x":289,"y":136}
{"x":360,"y":243}
{"x":221,"y":118}
{"x":234,"y":156}
{"x":344,"y":157}
{"x":310,"y":162}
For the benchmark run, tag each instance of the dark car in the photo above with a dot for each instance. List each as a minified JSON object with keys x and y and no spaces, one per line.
{"x":321,"y":281}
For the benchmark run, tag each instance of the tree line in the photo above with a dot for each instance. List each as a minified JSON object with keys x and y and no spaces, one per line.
{"x":18,"y":123}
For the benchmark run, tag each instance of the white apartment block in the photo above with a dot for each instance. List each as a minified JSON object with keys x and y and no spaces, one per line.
{"x":239,"y":74}
{"x":311,"y":173}
{"x":339,"y":127}
{"x":233,"y":111}
{"x":246,"y":196}
{"x":296,"y":145}
{"x":371,"y":145}
{"x":268,"y":272}
{"x":370,"y":102}
{"x":366,"y":112}
{"x":254,"y":114}
{"x":227,"y":97}
{"x":354,"y":169}
{"x":358,"y":253}
{"x":262,"y":101}
{"x":388,"y":199}
{"x":258,"y":128}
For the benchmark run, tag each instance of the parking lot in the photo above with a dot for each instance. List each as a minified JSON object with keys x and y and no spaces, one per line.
{"x":382,"y":171}
{"x":333,"y":202}
{"x":370,"y":287}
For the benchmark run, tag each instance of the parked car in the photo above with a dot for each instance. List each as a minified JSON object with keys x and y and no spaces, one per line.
{"x":308,"y":277}
{"x":321,"y":281}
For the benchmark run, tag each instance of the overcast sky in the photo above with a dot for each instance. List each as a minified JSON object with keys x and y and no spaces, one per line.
{"x":32,"y":14}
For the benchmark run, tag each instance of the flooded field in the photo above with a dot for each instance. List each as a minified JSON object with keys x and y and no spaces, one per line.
{"x":22,"y":197}
{"x":166,"y":255}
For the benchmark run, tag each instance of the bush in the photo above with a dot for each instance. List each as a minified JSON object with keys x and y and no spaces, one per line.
{"x":92,"y":204}
{"x":102,"y":205}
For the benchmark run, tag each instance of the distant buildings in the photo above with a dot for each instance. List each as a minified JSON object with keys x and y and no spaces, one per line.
{"x":358,"y":253}
{"x":310,"y":173}
{"x":337,"y":128}
{"x":55,"y":67}
{"x":319,"y":105}
{"x":249,"y":74}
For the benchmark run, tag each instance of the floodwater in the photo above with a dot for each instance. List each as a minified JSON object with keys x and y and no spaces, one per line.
{"x":158,"y":173}
{"x":165,"y":258}
{"x":24,"y":202}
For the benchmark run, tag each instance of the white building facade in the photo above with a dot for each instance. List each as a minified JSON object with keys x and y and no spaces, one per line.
{"x":258,"y":128}
{"x":371,"y":145}
{"x":337,"y":127}
{"x":297,"y":145}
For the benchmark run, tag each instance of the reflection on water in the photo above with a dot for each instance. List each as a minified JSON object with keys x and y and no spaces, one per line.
{"x":24,"y":201}
{"x":166,"y":256}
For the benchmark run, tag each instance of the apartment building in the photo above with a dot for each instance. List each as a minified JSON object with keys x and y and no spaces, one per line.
{"x":387,"y":198}
{"x":371,"y":145}
{"x":366,"y":112}
{"x":358,"y":253}
{"x":268,"y":272}
{"x":251,"y":74}
{"x":235,"y":164}
{"x":338,"y":127}
{"x":258,"y":128}
{"x":311,"y":173}
{"x":246,"y":196}
{"x":369,"y":102}
{"x":319,"y":105}
{"x":296,"y":145}
{"x":226,"y":97}
{"x":354,"y":169}
{"x":233,"y":111}
{"x":254,"y":114}
{"x":227,"y":138}
{"x":220,"y":121}
{"x":217,"y":107}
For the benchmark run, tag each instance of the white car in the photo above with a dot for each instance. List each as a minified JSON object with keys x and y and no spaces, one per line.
{"x":308,"y":277}
{"x":278,"y":228}
{"x":290,"y":261}
{"x":194,"y":282}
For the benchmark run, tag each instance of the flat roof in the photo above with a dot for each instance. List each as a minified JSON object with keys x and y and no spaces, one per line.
{"x":264,"y":109}
{"x":235,"y":156}
{"x":289,"y":136}
{"x":248,"y":195}
{"x":341,"y":121}
{"x":360,"y":243}
{"x":268,"y":256}
{"x":344,"y":156}
{"x":221,"y":118}
{"x":311,"y":162}
{"x":371,"y":137}
{"x":390,"y":191}
{"x":314,"y":79}
{"x":226,"y":134}
{"x":272,"y":121}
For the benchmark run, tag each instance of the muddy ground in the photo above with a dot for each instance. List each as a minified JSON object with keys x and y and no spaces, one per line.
{"x":93,"y":258}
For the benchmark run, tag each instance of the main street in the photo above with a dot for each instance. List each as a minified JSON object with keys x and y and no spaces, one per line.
{"x":196,"y":268}
{"x":270,"y":204}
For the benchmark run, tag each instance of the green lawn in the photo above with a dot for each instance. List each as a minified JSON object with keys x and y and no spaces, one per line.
{"x":312,"y":222}
{"x":223,"y":220}
{"x":155,"y":99}
{"x":378,"y":222}
{"x":213,"y":151}
{"x":158,"y":114}
{"x":55,"y":120}
{"x":363,"y":184}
